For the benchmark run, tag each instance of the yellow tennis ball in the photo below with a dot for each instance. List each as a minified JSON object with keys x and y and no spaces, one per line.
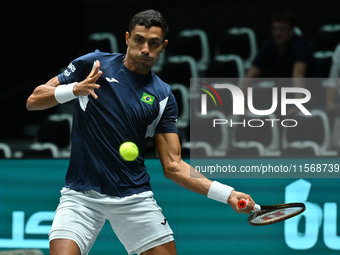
{"x":128,"y":151}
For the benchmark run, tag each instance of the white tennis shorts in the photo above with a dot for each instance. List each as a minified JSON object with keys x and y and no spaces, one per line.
{"x":137,"y":220}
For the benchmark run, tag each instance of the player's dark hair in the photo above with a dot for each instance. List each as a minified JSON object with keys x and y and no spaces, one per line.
{"x":284,"y":17}
{"x":148,"y":19}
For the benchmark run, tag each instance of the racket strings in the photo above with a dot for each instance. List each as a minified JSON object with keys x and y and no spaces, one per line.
{"x":276,"y":215}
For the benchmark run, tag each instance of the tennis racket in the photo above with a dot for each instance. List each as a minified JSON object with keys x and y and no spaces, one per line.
{"x":269,"y":214}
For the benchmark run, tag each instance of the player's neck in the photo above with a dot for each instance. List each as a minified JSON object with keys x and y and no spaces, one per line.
{"x":131,"y":66}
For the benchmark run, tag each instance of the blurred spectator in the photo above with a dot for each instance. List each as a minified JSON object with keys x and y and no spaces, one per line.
{"x":333,"y":98}
{"x":332,"y":94}
{"x":285,"y":54}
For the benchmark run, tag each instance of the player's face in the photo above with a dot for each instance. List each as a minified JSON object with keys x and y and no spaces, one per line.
{"x":282,"y":33}
{"x":143,"y":48}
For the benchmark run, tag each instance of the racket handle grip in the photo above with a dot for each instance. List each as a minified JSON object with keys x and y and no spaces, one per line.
{"x":242,"y":204}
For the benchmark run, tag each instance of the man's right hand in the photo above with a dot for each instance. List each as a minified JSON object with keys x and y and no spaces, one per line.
{"x":87,"y":86}
{"x":236,"y":196}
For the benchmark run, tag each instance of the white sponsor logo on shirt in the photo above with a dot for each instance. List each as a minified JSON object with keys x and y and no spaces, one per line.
{"x":70,"y":69}
{"x":111,"y":80}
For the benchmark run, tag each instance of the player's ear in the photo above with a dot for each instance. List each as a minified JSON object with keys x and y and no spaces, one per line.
{"x":127,"y":37}
{"x":165,"y":43}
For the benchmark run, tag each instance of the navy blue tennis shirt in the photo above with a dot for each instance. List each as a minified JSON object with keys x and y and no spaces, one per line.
{"x":130,"y":107}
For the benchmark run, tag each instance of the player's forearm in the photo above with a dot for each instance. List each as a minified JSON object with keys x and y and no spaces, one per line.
{"x":175,"y":169}
{"x":53,"y":93}
{"x":185,"y":175}
{"x":42,"y":98}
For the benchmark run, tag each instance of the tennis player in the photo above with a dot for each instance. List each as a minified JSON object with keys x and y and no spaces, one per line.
{"x":119,"y":98}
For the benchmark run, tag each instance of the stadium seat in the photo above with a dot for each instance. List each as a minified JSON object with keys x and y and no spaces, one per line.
{"x":196,"y":149}
{"x":103,"y":41}
{"x":301,"y":149}
{"x":265,"y":138}
{"x":262,"y":94}
{"x":226,"y":66}
{"x":194,"y":43}
{"x":181,"y":95}
{"x":203,"y":132}
{"x":240,"y":41}
{"x":323,"y":62}
{"x":298,"y":31}
{"x":326,"y":38}
{"x":179,"y":69}
{"x":41,"y":150}
{"x":249,"y":149}
{"x":159,"y":65}
{"x":53,"y":139}
{"x":311,"y":131}
{"x":5,"y":151}
{"x":56,"y":130}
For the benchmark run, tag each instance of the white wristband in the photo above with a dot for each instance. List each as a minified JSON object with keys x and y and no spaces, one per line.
{"x":220,"y":192}
{"x":64,"y":93}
